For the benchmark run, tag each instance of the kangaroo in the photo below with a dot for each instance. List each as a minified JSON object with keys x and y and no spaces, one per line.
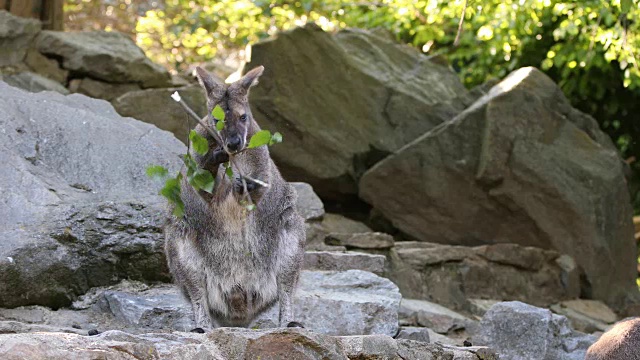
{"x":621,"y":342}
{"x":233,"y":264}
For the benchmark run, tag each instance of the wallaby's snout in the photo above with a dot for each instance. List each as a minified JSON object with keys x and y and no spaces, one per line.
{"x":234,"y":143}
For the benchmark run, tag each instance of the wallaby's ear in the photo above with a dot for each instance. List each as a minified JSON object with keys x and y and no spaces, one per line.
{"x":214,"y":89}
{"x":251,"y":78}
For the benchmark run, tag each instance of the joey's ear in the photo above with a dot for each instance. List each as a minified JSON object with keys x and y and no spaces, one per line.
{"x":251,"y":78}
{"x":213,"y":87}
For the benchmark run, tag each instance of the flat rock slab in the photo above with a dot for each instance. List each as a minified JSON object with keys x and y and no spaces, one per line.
{"x":336,"y":261}
{"x":16,"y":34}
{"x":434,"y":316}
{"x":586,"y":315}
{"x":228,"y":344}
{"x":368,"y":240}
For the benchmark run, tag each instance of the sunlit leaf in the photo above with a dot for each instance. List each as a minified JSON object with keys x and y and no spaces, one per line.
{"x":220,"y":125}
{"x":157,"y":172}
{"x":199,"y":143}
{"x":218,"y":113}
{"x":262,"y":137}
{"x":276,"y":138}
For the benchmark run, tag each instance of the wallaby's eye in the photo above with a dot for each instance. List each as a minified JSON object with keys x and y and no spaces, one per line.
{"x":243,"y":117}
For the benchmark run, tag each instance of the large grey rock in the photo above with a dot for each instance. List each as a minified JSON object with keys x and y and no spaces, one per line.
{"x":33,"y":82}
{"x":45,"y":66}
{"x":102,"y":90}
{"x":519,"y":166}
{"x":451,"y":275}
{"x":16,"y":34}
{"x":80,"y":211}
{"x":336,"y":261}
{"x":370,"y":96}
{"x":586,"y":315}
{"x":108,"y":56}
{"x":520,"y":331}
{"x":414,"y":333}
{"x":228,"y":344}
{"x":155,"y":106}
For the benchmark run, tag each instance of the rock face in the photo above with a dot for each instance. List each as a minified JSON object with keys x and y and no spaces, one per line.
{"x":520,"y":331}
{"x":77,"y":209}
{"x":33,"y":82}
{"x":519,"y":166}
{"x":451,"y":275}
{"x":228,"y":343}
{"x":16,"y":34}
{"x":108,"y":56}
{"x":370,"y":96}
{"x":329,"y":260}
{"x":309,"y":204}
{"x":156,"y":107}
{"x":433,"y":316}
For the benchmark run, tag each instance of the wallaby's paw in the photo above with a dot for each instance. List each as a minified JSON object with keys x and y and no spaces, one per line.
{"x":238,"y":187}
{"x":198,"y":330}
{"x":93,"y":332}
{"x":220,"y":156}
{"x":295,"y":324}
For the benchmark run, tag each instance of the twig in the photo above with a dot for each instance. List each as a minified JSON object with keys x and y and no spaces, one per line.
{"x":464,"y":10}
{"x":216,"y":135}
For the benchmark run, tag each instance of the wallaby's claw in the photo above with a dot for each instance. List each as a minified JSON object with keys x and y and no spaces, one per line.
{"x":295,"y":324}
{"x":198,"y":330}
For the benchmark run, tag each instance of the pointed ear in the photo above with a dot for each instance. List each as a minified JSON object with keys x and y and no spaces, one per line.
{"x":213,"y":88}
{"x":251,"y":78}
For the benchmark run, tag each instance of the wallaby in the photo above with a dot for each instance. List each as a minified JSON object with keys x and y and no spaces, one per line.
{"x":621,"y":342}
{"x":231,"y":263}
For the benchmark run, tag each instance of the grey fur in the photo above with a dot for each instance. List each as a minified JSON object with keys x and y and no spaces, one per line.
{"x":621,"y":342}
{"x":233,"y":264}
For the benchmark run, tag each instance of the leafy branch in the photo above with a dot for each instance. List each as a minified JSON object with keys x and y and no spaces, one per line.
{"x":202,"y":179}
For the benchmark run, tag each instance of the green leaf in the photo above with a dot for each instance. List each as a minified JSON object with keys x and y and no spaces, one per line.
{"x":276,"y":138}
{"x":218,"y":113}
{"x":625,"y":6}
{"x":171,"y":191}
{"x":220,"y":125}
{"x":199,"y":143}
{"x":260,"y":138}
{"x":250,"y":207}
{"x":202,"y":179}
{"x":190,"y":163}
{"x":229,"y":171}
{"x":157,"y":172}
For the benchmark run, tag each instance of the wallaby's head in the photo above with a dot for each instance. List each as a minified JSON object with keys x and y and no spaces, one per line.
{"x":234,"y":100}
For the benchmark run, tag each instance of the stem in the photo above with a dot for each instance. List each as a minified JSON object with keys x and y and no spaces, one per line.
{"x":464,"y":10}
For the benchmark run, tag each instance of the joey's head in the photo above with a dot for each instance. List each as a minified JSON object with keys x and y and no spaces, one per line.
{"x":234,"y":100}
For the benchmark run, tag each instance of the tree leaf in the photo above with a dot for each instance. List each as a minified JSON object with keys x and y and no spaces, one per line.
{"x":218,"y":113}
{"x":157,"y":172}
{"x":220,"y":125}
{"x":202,"y":180}
{"x":229,"y":171}
{"x":276,"y":138}
{"x":199,"y":143}
{"x":171,"y":191}
{"x":260,"y":138}
{"x":250,"y":207}
{"x":625,"y":6}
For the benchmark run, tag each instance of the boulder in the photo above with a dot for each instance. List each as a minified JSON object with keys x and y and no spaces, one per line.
{"x":33,"y":82}
{"x":370,"y":96}
{"x":336,"y":261}
{"x":156,"y":107}
{"x":227,"y":343}
{"x":16,"y":35}
{"x":100,"y":89}
{"x":414,"y":333}
{"x":519,"y":166}
{"x":309,"y":204}
{"x":371,"y":241}
{"x":108,"y":56}
{"x":81,"y":212}
{"x":451,"y":275}
{"x":46,"y":67}
{"x":520,"y":331}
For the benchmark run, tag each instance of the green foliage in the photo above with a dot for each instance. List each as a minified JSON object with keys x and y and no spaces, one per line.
{"x":157,"y":172}
{"x":200,"y":144}
{"x":171,"y":191}
{"x":218,"y":113}
{"x":262,"y":137}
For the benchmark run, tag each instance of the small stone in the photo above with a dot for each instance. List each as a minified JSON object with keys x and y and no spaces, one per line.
{"x":93,"y":332}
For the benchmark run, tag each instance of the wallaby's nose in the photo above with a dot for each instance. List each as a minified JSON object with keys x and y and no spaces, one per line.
{"x":234,"y":143}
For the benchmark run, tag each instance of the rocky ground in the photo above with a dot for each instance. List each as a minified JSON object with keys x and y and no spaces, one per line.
{"x":493,"y":222}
